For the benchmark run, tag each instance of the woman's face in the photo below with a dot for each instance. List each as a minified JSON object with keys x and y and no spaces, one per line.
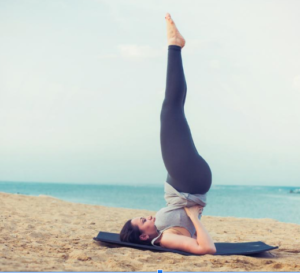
{"x":146,"y":226}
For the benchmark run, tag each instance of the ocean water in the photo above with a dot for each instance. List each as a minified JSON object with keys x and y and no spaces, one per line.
{"x":236,"y":201}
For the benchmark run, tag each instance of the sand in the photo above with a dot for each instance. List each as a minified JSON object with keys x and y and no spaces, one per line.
{"x":47,"y":234}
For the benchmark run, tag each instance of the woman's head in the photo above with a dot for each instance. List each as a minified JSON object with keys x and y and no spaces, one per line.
{"x":139,"y":230}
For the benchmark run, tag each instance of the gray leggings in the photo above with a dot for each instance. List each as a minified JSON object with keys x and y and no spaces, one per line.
{"x":187,"y":170}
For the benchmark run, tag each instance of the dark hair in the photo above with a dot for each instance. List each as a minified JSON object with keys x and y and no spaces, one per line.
{"x":131,"y":234}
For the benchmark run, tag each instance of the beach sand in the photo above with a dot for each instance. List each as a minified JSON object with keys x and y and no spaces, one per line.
{"x":47,"y":234}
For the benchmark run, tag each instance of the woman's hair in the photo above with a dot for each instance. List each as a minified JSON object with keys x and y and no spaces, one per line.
{"x":131,"y":234}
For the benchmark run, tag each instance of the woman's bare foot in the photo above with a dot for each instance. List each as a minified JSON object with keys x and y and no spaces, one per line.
{"x":173,"y":35}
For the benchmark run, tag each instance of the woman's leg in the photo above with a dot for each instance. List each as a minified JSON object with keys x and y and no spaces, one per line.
{"x":187,"y":170}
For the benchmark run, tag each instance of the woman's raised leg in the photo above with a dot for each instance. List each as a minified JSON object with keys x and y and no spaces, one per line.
{"x":187,"y":170}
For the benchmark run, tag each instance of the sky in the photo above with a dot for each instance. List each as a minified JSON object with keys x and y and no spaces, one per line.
{"x":82,"y":84}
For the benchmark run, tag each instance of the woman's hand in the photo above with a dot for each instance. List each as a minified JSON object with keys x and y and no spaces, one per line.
{"x":193,"y":211}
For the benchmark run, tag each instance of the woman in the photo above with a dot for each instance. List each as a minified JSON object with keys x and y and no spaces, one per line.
{"x":189,"y":177}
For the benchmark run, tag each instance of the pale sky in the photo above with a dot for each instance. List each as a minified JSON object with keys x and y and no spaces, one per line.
{"x":82,"y":84}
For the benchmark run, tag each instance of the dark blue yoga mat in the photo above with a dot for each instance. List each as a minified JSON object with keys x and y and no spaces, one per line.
{"x":247,"y":248}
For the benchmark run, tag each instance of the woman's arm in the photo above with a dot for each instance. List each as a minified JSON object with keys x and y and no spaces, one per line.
{"x":184,"y":243}
{"x":202,"y":244}
{"x":203,"y":237}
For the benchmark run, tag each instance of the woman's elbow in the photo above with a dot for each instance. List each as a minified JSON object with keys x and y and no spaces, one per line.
{"x":207,"y":250}
{"x":211,"y":250}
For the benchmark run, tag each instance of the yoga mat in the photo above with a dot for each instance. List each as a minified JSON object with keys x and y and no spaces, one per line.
{"x":246,"y":248}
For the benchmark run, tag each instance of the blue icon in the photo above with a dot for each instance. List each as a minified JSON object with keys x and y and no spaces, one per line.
{"x":159,"y":271}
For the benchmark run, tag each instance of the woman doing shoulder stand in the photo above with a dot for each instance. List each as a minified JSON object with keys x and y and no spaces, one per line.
{"x":176,"y":226}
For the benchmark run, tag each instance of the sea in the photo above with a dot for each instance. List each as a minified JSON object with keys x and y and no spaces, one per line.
{"x":279,"y":203}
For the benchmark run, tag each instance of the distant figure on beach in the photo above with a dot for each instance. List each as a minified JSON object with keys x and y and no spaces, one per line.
{"x":189,"y":178}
